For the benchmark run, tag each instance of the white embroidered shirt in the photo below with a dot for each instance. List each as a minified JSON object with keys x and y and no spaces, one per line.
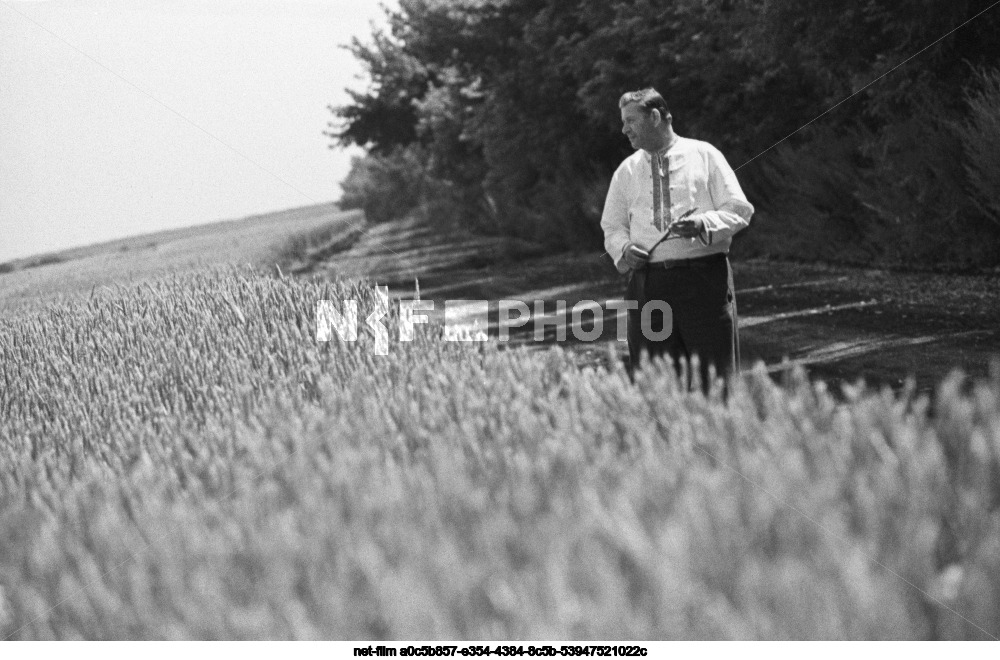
{"x":700,"y":180}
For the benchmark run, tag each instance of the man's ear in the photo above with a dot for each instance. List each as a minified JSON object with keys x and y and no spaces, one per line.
{"x":655,"y":115}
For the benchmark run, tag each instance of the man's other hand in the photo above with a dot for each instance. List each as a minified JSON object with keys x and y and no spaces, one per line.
{"x":691,"y":227}
{"x":634,"y":256}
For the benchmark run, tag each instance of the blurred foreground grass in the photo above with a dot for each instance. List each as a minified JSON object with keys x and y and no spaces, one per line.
{"x":182,"y":459}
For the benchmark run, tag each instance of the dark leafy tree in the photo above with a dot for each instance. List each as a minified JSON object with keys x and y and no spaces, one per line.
{"x":511,"y":105}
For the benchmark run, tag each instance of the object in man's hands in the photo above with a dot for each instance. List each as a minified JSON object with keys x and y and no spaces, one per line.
{"x":670,"y":228}
{"x":684,"y":216}
{"x":638,"y":251}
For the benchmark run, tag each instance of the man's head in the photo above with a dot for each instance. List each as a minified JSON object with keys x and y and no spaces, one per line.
{"x":646,"y":119}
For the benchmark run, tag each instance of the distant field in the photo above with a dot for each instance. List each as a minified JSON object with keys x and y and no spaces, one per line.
{"x":181,"y":459}
{"x":258,"y":240}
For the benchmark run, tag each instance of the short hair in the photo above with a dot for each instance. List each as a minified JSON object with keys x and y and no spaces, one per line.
{"x":648,"y":99}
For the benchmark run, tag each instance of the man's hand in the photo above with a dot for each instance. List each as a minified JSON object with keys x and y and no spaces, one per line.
{"x":634,"y":256}
{"x":690,"y":227}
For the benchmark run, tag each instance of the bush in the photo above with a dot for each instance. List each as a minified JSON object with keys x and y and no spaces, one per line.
{"x":898,"y":197}
{"x":385,"y":187}
{"x":980,"y":138}
{"x":805,"y":203}
{"x":918,"y":209}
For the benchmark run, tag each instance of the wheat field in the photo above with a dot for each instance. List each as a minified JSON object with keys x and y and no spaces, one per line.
{"x":181,"y":459}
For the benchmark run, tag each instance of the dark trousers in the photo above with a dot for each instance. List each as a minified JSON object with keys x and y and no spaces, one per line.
{"x":703,"y":308}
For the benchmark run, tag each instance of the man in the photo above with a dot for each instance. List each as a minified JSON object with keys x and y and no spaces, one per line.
{"x":683,"y":192}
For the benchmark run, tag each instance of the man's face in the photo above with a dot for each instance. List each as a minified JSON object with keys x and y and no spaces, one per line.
{"x":640,"y":127}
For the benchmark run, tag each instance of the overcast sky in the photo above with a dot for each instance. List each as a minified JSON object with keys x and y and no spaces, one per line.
{"x":121,"y":117}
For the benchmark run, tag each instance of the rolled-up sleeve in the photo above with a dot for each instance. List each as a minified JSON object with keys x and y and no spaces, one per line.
{"x":615,"y":221}
{"x":732,"y":211}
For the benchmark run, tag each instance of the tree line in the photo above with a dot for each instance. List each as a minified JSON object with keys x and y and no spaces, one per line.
{"x":501,"y":116}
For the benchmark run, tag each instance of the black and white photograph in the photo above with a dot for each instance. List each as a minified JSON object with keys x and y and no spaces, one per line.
{"x":499,"y":327}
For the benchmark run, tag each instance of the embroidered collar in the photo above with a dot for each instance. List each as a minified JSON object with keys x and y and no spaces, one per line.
{"x":664,"y":152}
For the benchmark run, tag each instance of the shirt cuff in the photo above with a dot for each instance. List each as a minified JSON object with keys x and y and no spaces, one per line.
{"x":706,"y":234}
{"x":620,"y":264}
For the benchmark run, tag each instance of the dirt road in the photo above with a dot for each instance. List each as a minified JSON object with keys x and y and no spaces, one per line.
{"x":840,"y":323}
